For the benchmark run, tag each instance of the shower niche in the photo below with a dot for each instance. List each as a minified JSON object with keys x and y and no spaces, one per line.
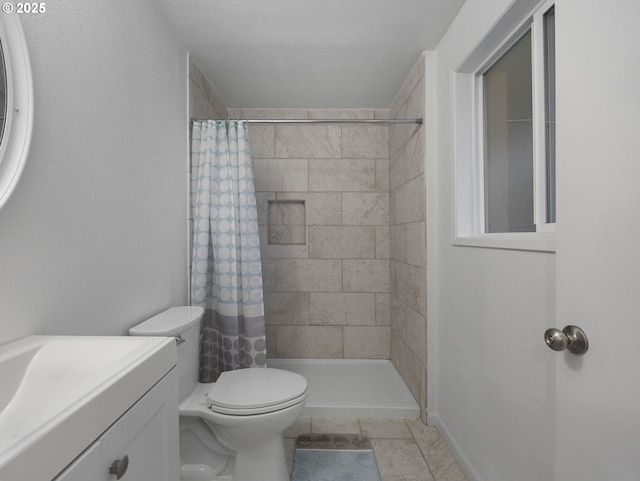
{"x":286,"y":222}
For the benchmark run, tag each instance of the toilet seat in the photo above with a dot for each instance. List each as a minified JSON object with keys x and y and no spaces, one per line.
{"x":256,"y":411}
{"x":245,"y":392}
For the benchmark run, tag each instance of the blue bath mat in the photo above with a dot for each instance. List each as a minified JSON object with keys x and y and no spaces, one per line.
{"x":334,"y":457}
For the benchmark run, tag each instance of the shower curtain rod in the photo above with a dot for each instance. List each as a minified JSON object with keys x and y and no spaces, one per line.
{"x":331,"y":121}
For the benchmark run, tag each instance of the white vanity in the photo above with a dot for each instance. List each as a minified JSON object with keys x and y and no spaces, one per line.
{"x":89,"y":409}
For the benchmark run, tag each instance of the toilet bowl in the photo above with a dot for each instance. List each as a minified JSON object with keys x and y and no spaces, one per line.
{"x":232,"y":429}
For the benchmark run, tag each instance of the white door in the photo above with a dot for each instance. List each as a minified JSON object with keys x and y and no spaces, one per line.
{"x":598,"y":254}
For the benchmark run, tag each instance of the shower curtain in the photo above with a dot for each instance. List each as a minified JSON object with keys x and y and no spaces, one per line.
{"x":226,"y":275}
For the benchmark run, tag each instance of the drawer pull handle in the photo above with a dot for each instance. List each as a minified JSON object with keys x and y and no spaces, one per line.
{"x":119,"y":467}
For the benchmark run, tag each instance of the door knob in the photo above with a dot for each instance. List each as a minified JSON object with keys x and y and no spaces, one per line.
{"x":571,"y":338}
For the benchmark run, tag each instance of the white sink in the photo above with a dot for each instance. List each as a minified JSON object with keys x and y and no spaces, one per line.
{"x":59,"y":393}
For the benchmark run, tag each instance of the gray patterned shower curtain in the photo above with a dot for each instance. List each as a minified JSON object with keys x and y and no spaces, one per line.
{"x":226,"y":276}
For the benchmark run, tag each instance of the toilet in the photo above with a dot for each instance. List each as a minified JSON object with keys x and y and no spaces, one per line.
{"x":232,"y":429}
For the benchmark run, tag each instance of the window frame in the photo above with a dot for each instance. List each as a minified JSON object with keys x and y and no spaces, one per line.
{"x":540,"y":119}
{"x":469,"y":138}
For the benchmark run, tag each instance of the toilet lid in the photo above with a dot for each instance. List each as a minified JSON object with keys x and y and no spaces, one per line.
{"x":255,"y":388}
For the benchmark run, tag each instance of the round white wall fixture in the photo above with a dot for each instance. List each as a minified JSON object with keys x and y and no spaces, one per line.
{"x":16,"y":109}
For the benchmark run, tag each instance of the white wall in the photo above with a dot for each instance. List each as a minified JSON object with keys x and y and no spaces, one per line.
{"x":491,"y":377}
{"x":94,"y":236}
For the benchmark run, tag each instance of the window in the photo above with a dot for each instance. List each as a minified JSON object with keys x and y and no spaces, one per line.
{"x":505,"y":137}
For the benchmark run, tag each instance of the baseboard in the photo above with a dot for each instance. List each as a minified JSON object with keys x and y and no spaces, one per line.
{"x":433,"y":419}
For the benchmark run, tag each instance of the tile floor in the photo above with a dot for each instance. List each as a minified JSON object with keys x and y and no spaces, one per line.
{"x":406,"y":449}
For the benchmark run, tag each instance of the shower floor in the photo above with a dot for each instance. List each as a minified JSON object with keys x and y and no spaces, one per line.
{"x":352,"y":387}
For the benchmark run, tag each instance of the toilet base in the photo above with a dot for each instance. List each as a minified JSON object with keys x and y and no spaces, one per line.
{"x":265,"y":462}
{"x":268,"y":463}
{"x":252,"y":445}
{"x":198,"y":472}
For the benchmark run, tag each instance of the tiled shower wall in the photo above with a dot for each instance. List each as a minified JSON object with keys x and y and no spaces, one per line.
{"x":408,"y":249}
{"x":327,"y":294}
{"x":204,"y":102}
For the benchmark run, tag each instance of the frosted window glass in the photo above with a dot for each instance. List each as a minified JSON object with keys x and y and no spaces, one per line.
{"x":508,"y":141}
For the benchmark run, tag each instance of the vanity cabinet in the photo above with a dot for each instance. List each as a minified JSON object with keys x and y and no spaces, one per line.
{"x":142,"y":445}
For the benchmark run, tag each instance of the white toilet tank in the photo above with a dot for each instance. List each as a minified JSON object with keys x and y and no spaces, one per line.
{"x":183,"y":321}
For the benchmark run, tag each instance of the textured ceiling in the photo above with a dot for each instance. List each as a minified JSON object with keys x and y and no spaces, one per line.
{"x":308,"y":53}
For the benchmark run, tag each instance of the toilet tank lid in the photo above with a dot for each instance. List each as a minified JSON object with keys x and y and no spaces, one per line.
{"x":169,"y":322}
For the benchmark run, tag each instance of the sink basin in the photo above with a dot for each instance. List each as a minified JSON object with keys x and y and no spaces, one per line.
{"x":59,"y":393}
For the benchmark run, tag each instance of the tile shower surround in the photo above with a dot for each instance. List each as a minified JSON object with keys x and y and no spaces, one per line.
{"x":204,"y":102}
{"x":329,"y":297}
{"x":408,"y":245}
{"x":357,"y":289}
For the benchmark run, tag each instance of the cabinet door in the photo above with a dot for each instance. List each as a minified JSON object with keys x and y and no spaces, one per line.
{"x":147,"y":435}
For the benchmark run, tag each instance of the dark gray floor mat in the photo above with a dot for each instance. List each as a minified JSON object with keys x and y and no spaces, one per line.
{"x":334,"y":457}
